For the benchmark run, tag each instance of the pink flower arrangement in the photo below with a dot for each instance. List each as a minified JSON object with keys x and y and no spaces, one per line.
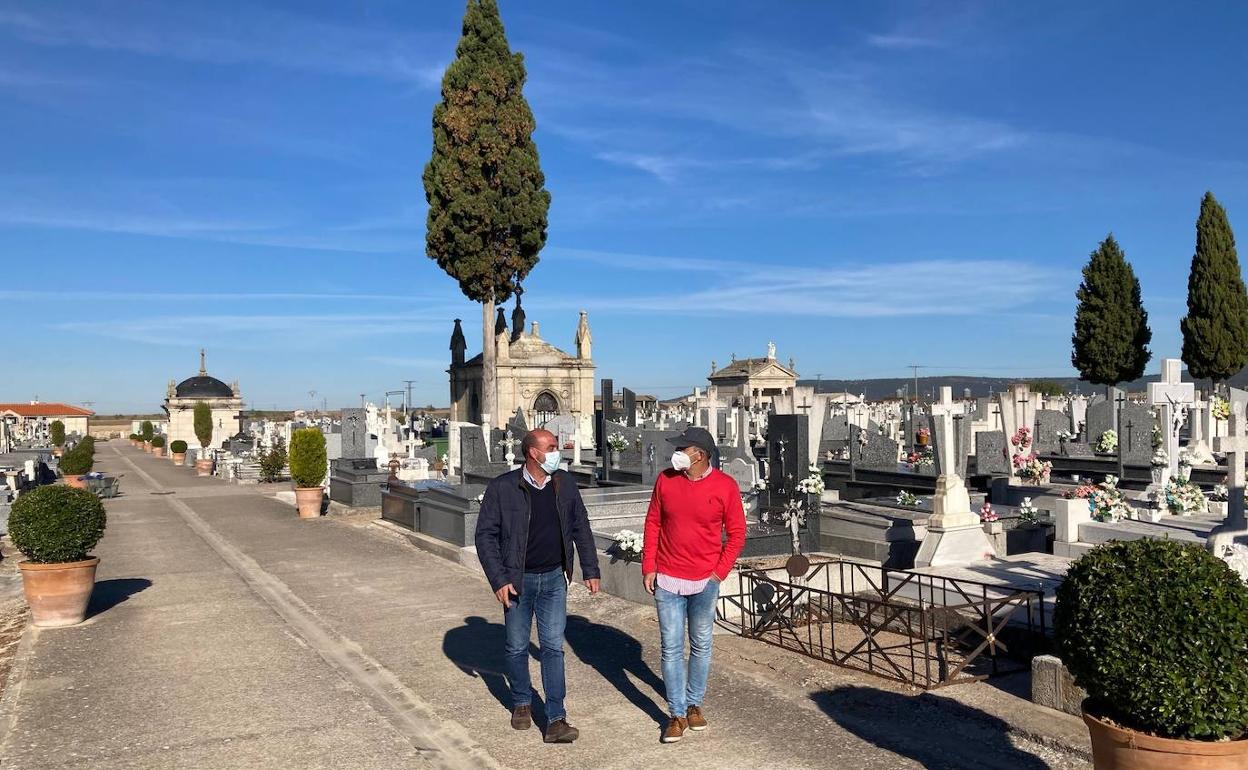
{"x":987,"y":514}
{"x":1081,"y":492}
{"x":1022,"y":439}
{"x":924,"y":433}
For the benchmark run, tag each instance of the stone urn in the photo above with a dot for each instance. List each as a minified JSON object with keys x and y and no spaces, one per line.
{"x":1160,"y":474}
{"x":58,"y":593}
{"x":615,"y":459}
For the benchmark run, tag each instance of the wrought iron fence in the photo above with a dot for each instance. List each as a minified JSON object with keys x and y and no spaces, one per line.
{"x":927,"y":631}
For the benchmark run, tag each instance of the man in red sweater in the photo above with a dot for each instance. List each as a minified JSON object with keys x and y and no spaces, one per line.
{"x":684,"y":559}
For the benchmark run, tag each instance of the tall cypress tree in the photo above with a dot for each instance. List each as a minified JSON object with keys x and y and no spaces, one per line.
{"x":484,"y":183}
{"x":1111,"y":326}
{"x":1215,"y":331}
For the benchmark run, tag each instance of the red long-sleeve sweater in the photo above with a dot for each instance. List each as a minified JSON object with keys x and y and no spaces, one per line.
{"x":685,"y":526}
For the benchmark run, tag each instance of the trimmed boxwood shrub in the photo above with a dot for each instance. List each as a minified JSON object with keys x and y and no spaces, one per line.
{"x":77,"y":461}
{"x":178,"y":447}
{"x":56,"y":431}
{"x":307,"y":457}
{"x":56,"y":524}
{"x":135,"y":437}
{"x":158,"y":441}
{"x":146,"y":430}
{"x":1157,"y":633}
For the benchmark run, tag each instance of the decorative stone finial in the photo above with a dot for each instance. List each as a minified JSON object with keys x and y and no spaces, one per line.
{"x":203,"y":368}
{"x":584,"y":340}
{"x":771,"y":351}
{"x":536,"y":331}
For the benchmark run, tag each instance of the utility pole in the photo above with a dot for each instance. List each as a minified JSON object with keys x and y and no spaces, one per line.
{"x":407,"y":405}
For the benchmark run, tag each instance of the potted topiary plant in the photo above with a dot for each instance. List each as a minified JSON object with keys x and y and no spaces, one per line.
{"x":158,"y":446}
{"x":56,"y":528}
{"x":146,"y":432}
{"x":135,"y":440}
{"x":307,"y":470}
{"x":203,"y":432}
{"x":77,"y":462}
{"x":1157,"y":633}
{"x":56,"y":431}
{"x":178,"y":450}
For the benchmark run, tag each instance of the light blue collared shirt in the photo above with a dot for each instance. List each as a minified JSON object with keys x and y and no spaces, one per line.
{"x":524,"y":470}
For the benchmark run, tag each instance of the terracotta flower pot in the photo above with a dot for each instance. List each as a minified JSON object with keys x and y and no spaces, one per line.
{"x":159,"y":451}
{"x":58,"y":451}
{"x":203,"y":467}
{"x":147,"y":447}
{"x":1116,"y":748}
{"x":75,"y":481}
{"x":179,"y":458}
{"x":308,"y":500}
{"x":58,"y":593}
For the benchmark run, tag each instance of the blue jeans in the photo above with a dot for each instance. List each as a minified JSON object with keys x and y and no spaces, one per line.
{"x":546,"y":596}
{"x":686,"y":682}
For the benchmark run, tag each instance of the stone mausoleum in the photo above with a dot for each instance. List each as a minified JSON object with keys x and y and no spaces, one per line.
{"x":754,"y":381}
{"x":226,"y":402}
{"x":534,"y":376}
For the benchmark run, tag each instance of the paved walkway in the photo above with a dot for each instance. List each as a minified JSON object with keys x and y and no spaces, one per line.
{"x":224,"y":632}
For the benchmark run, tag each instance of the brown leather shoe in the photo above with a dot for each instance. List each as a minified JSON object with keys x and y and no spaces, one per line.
{"x":521,"y":717}
{"x":559,"y":731}
{"x":675,"y":730}
{"x":696,"y":721}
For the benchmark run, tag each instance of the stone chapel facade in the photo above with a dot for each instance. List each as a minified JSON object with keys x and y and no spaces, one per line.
{"x":226,"y":402}
{"x":533,"y":375}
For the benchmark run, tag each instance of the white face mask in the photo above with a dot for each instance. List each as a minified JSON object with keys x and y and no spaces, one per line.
{"x":552,"y":461}
{"x":681,"y":461}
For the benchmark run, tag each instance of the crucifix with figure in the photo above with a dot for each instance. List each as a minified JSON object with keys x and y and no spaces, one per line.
{"x":1171,"y":397}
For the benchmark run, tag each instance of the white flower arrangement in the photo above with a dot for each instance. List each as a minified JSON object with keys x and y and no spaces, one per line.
{"x":1184,"y":497}
{"x":1065,"y":435}
{"x":908,"y":499}
{"x":1027,"y":512}
{"x":1107,"y":442}
{"x":1220,"y":408}
{"x":1107,"y":502}
{"x":813,"y":483}
{"x":629,"y":543}
{"x":1185,"y":459}
{"x":1220,"y":493}
{"x":617,"y":442}
{"x":1160,"y":459}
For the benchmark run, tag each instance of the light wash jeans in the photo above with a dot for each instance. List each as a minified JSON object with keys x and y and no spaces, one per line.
{"x":685,"y":682}
{"x":544,"y":596}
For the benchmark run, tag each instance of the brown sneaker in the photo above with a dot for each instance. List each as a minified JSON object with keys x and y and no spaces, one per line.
{"x":559,"y":731}
{"x":675,"y":730}
{"x":696,"y":721}
{"x":521,"y":717}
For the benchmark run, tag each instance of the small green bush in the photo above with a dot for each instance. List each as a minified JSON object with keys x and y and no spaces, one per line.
{"x":178,"y":447}
{"x":56,"y":524}
{"x":158,"y":441}
{"x":77,"y":461}
{"x":88,"y":442}
{"x":203,"y":424}
{"x":56,"y":431}
{"x":146,"y":430}
{"x":307,"y":457}
{"x":135,"y":437}
{"x":1157,"y":633}
{"x":273,"y":462}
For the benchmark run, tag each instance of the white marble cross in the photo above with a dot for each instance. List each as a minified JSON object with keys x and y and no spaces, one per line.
{"x":1235,"y":446}
{"x":1170,"y":397}
{"x":943,"y":412}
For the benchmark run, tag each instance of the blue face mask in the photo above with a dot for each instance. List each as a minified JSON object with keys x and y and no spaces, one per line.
{"x":552,"y":461}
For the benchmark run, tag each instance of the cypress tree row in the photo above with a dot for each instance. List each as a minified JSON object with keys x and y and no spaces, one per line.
{"x":1215,"y":330}
{"x":484,"y":183}
{"x":1110,"y":343}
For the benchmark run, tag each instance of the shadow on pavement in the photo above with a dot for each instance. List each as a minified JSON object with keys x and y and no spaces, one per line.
{"x":614,"y":655}
{"x":933,"y":731}
{"x":476,"y":648}
{"x":109,"y":593}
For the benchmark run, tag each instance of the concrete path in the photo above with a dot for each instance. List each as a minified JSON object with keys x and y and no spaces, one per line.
{"x":225,"y":632}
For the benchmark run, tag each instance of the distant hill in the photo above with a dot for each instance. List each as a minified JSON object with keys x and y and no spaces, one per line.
{"x":877,"y":389}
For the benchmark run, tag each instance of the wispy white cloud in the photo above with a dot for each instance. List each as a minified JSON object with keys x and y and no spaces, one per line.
{"x":903,"y":42}
{"x":246,"y":35}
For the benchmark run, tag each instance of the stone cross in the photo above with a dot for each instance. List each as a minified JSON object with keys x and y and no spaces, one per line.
{"x":1170,"y":397}
{"x":946,"y":437}
{"x":1235,"y":446}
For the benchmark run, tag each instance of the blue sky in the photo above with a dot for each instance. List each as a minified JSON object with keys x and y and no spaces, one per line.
{"x":870,"y":185}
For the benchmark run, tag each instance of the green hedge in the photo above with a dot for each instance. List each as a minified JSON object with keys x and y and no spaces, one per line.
{"x":307,"y":457}
{"x":55,"y":524}
{"x":79,"y":460}
{"x":178,"y":447}
{"x":1157,"y":633}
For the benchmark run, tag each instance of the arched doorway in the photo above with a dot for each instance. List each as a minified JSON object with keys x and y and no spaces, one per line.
{"x":545,"y":408}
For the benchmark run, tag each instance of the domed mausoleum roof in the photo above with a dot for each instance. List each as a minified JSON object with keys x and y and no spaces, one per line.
{"x":203,"y":386}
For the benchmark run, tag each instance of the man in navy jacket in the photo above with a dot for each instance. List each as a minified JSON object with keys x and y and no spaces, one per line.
{"x":531,"y":520}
